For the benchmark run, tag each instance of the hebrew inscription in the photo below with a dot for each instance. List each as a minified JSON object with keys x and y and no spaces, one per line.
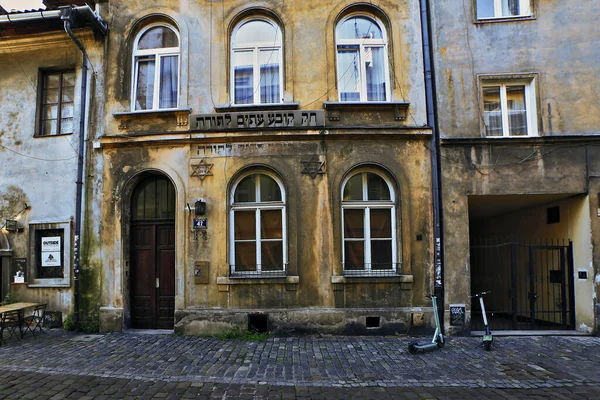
{"x":257,"y":120}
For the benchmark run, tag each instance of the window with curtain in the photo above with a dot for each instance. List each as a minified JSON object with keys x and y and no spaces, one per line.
{"x":368,"y":225}
{"x":256,"y":62}
{"x":155,"y":69}
{"x":258,"y":226}
{"x":509,"y":109}
{"x":362,"y":60}
{"x":503,"y":8}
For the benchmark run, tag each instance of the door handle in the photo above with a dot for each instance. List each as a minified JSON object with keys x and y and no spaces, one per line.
{"x":157,"y":283}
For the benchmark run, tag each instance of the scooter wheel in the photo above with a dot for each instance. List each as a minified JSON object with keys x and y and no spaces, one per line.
{"x":440,"y":341}
{"x":487,"y":345}
{"x":412,"y":348}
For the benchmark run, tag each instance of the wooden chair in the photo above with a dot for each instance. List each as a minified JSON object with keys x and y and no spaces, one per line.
{"x":35,"y":321}
{"x":10,"y":323}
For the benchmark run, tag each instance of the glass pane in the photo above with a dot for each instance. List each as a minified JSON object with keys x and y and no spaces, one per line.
{"x":381,"y":254}
{"x":270,"y":224}
{"x":243,"y":62}
{"x":138,"y":205}
{"x":257,"y":31}
{"x":245,"y":225}
{"x":69,"y":79}
{"x":510,"y":8}
{"x":354,"y":223}
{"x":354,"y":255}
{"x":245,"y":192}
{"x":485,"y":8}
{"x":145,"y":85}
{"x":68,"y":94}
{"x":66,"y":126}
{"x":50,"y":112}
{"x":377,"y":188}
{"x":52,"y":81}
{"x":375,"y":71}
{"x":50,"y":127}
{"x":381,"y":223}
{"x":269,"y":76}
{"x":169,"y":83}
{"x":348,"y":73}
{"x":166,"y":194}
{"x":158,"y":37}
{"x":245,"y":256}
{"x":51,"y":96}
{"x":269,"y":189}
{"x":150,"y":211}
{"x":359,"y":28}
{"x":271,"y":256}
{"x":353,"y":188}
{"x":517,"y":113}
{"x":67,"y":110}
{"x":492,"y":112}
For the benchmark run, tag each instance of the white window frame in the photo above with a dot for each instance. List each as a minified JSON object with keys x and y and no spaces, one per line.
{"x":159,"y":53}
{"x":257,"y":206}
{"x":256,"y":48}
{"x":368,"y":205}
{"x":525,"y":10}
{"x":362,"y":44}
{"x":530,"y":105}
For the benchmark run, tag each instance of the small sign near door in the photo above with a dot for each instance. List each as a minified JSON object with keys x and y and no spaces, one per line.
{"x":457,"y":314}
{"x":51,"y":251}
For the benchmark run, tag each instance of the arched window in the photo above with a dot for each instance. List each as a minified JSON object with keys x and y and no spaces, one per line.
{"x":362,"y":59}
{"x":258,"y":226}
{"x":256,"y":62}
{"x":368,"y":225}
{"x":155,"y":69}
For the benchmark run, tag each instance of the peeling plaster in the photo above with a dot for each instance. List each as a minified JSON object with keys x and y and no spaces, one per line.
{"x":597,"y":279}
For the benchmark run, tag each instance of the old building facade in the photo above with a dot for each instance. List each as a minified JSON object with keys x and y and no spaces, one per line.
{"x":272,"y":164}
{"x":518,"y":115}
{"x":263,"y":166}
{"x":49,"y":93}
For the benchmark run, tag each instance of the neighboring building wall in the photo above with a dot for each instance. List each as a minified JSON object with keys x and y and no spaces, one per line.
{"x":40,"y":171}
{"x":560,"y":73}
{"x":310,"y":162}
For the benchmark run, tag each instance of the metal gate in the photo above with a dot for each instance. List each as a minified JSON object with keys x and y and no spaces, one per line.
{"x":531,"y":285}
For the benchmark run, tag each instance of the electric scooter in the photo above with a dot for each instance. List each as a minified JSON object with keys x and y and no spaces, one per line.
{"x":438,"y":340}
{"x":487,"y":336}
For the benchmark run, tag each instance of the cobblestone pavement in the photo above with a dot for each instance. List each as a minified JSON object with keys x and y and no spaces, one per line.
{"x":135,"y":365}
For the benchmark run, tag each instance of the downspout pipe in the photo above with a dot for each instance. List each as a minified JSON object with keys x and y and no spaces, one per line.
{"x":436,"y":182}
{"x":67,"y":18}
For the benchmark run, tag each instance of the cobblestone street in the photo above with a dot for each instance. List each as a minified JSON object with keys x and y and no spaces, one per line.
{"x":136,"y":365}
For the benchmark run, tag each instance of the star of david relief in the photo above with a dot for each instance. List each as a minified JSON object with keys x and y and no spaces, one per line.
{"x":312,"y":168}
{"x":202,"y":170}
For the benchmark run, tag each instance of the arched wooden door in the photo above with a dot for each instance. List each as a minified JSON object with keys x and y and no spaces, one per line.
{"x":152,"y":253}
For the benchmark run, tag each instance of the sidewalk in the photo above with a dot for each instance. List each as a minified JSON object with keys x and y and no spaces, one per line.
{"x":135,"y":365}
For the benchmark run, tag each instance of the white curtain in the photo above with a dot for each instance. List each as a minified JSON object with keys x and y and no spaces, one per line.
{"x":168,"y":82}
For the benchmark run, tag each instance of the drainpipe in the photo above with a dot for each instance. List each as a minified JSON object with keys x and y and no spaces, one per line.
{"x":67,"y":18}
{"x":436,"y":182}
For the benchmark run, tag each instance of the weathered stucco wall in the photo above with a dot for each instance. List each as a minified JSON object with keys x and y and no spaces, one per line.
{"x":314,"y":288}
{"x":40,"y":172}
{"x":563,"y":61}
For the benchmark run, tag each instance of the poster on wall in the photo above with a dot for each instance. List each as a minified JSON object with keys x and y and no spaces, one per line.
{"x":19,"y":268}
{"x":51,"y":251}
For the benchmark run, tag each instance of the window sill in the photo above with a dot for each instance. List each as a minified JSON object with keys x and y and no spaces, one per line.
{"x":336,"y":279}
{"x":125,"y":118}
{"x":49,"y":283}
{"x":346,"y":108}
{"x":49,"y":136}
{"x":256,"y":107}
{"x":258,"y":280}
{"x":504,"y":19}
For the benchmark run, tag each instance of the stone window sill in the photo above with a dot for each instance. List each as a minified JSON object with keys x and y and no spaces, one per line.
{"x":256,"y":107}
{"x":337,"y":108}
{"x":181,"y":114}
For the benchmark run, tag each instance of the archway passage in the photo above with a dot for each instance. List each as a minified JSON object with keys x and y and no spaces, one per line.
{"x":153,"y":254}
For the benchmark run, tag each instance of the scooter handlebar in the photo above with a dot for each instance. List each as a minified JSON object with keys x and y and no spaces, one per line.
{"x":481,"y":294}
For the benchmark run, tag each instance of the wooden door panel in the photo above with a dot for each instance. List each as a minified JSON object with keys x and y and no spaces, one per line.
{"x":166,"y":272}
{"x":143,"y":277}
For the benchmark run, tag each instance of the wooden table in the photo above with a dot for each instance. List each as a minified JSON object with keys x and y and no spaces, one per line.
{"x":20,"y":308}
